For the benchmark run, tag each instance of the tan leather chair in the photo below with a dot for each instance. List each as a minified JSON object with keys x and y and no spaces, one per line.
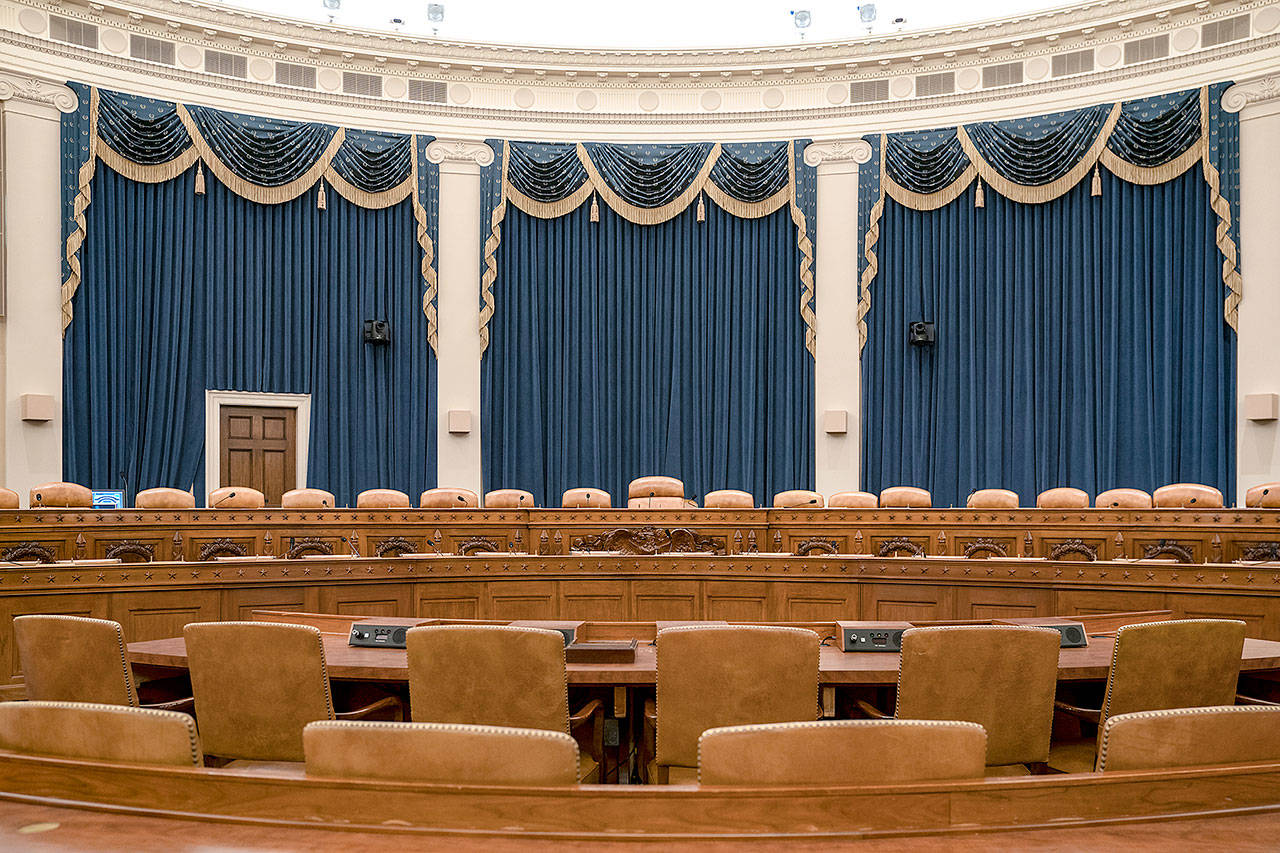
{"x":164,"y":498}
{"x":655,"y":487}
{"x":496,"y":675}
{"x":586,"y":498}
{"x":93,"y":732}
{"x":61,"y":495}
{"x":1123,"y":499}
{"x":906,"y":497}
{"x":1063,"y":497}
{"x":992,"y":499}
{"x":728,"y":499}
{"x":798,"y":499}
{"x":1001,"y":677}
{"x":1264,"y":496}
{"x":9,"y":499}
{"x":440,"y":753}
{"x":1156,"y":666}
{"x":661,"y":503}
{"x":842,"y":752}
{"x":236,"y":497}
{"x":257,"y":684}
{"x":1190,"y":737}
{"x":508,"y":499}
{"x":382,"y":499}
{"x":712,"y":676}
{"x":77,"y":659}
{"x":307,"y":499}
{"x":449,"y":499}
{"x":853,"y":500}
{"x":1186,"y":496}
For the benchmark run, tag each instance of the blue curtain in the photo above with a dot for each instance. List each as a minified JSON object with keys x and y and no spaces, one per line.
{"x":619,"y":350}
{"x":1080,"y":343}
{"x":184,"y":292}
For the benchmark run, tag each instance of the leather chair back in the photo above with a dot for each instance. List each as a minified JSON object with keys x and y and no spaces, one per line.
{"x":660,"y":503}
{"x":655,"y":487}
{"x":236,"y":497}
{"x":100,"y":733}
{"x":1183,"y":663}
{"x":906,"y":497}
{"x":1123,"y":499}
{"x":842,"y":752}
{"x":798,"y":499}
{"x":382,"y":499}
{"x":74,"y":659}
{"x":9,"y":499}
{"x":508,"y":499}
{"x":1264,"y":496}
{"x":440,"y":753}
{"x":1063,"y":497}
{"x":488,"y":675}
{"x":712,"y":676}
{"x":256,"y":685}
{"x":586,"y":498}
{"x":1190,"y":737}
{"x":449,"y":499}
{"x":1186,"y":496}
{"x":992,"y":499}
{"x":853,"y":500}
{"x":307,"y":499}
{"x":1001,"y":677}
{"x":61,"y":495}
{"x":164,"y":498}
{"x":728,"y":499}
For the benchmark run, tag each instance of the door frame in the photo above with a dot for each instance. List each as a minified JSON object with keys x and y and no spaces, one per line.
{"x":213,"y":403}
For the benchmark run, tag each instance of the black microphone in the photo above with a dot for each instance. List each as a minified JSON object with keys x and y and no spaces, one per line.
{"x":520,"y":500}
{"x":324,"y":502}
{"x":228,"y":496}
{"x":432,"y":543}
{"x":464,"y":500}
{"x":802,"y":503}
{"x":39,"y":499}
{"x":1193,"y":500}
{"x":587,"y":499}
{"x":651,"y":494}
{"x":125,"y":479}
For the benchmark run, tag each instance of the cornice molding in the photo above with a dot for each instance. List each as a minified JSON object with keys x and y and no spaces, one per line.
{"x":34,"y":90}
{"x":855,"y":150}
{"x":459,"y":151}
{"x":1260,"y":90}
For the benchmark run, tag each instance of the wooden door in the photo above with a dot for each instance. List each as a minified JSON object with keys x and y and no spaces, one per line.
{"x":259,"y":449}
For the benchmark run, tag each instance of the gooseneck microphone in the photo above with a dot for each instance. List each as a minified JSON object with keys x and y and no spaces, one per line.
{"x":809,"y":502}
{"x":39,"y":499}
{"x":652,"y":492}
{"x":228,"y":496}
{"x":324,"y":502}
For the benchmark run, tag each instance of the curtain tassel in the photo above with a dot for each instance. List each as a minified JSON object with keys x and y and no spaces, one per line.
{"x":595,"y":209}
{"x":979,"y":197}
{"x":321,"y":204}
{"x":1096,"y":189}
{"x":702,"y":209}
{"x":199,"y":177}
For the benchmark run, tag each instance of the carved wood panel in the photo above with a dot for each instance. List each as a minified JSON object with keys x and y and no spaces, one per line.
{"x":381,"y":599}
{"x":1001,"y":603}
{"x":450,"y":600}
{"x":239,"y":604}
{"x":1256,"y":612}
{"x":653,"y":600}
{"x":819,"y":602}
{"x":600,"y":601}
{"x":163,"y":613}
{"x":909,"y":602}
{"x":1073,"y":602}
{"x":737,"y":601}
{"x":522,"y":599}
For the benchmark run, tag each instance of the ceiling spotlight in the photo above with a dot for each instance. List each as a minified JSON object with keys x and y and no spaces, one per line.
{"x":397,"y":22}
{"x":435,"y":12}
{"x":802,"y":19}
{"x":867,"y":13}
{"x":332,"y":5}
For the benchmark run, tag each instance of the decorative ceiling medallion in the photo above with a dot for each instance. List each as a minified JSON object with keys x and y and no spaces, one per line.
{"x":329,"y":80}
{"x":260,"y":70}
{"x":523,"y":98}
{"x":586,"y":100}
{"x":837,"y":92}
{"x":902,"y":87}
{"x":189,"y":56}
{"x":648,"y":101}
{"x":395,"y":87}
{"x":1109,"y":56}
{"x":1267,"y":19}
{"x":1184,"y":40}
{"x":772,"y":98}
{"x":710,"y":100}
{"x":967,"y":79}
{"x":1037,"y":68}
{"x":460,"y":93}
{"x":113,"y":41}
{"x":32,"y":21}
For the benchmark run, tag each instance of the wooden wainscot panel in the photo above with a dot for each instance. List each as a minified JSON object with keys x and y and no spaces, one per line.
{"x":819,"y":602}
{"x":598,"y":601}
{"x":737,"y":601}
{"x":163,"y":613}
{"x":89,"y":604}
{"x":1260,"y":613}
{"x":451,"y":599}
{"x":907,"y":602}
{"x":666,"y":600}
{"x":239,"y":604}
{"x":374,"y":599}
{"x":531,"y":599}
{"x":1079,"y":602}
{"x":989,"y":602}
{"x":141,"y":549}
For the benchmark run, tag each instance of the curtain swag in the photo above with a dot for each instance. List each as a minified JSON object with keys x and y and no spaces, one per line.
{"x":648,"y":185}
{"x":1037,"y":160}
{"x":267,"y":161}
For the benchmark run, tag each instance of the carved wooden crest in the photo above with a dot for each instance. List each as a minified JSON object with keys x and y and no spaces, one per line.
{"x":132,"y":547}
{"x":394,"y":547}
{"x":649,"y":540}
{"x":890,"y":547}
{"x":985,"y":546}
{"x":1261,"y":551}
{"x":1173,"y":549}
{"x":28,"y":551}
{"x":809,"y":547}
{"x":475,"y":545}
{"x":1073,"y":546}
{"x":308,"y":545}
{"x":222,"y":548}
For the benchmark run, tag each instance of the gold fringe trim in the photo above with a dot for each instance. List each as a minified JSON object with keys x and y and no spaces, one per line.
{"x":1151,"y":175}
{"x":372,"y":201}
{"x":749,"y":209}
{"x":83,"y":196}
{"x":869,"y":251}
{"x":648,"y":215}
{"x":547,"y":210}
{"x":806,"y":257}
{"x":428,"y":257}
{"x":253,"y":192}
{"x":490,"y":274}
{"x":1222,"y":207}
{"x":927,"y":201}
{"x":146,"y":174}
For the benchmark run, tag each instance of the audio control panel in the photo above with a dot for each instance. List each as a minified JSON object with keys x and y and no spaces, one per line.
{"x":373,"y":635}
{"x":871,"y":636}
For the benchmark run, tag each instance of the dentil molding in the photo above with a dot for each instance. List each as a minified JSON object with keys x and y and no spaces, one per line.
{"x":22,"y":87}
{"x":459,"y":151}
{"x":837,"y":151}
{"x":1250,"y":92}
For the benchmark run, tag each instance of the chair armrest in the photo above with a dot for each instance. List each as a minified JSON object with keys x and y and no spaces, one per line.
{"x":871,"y":710}
{"x":186,"y":705}
{"x":382,"y":704}
{"x":1092,"y":715}
{"x":590,"y":717}
{"x":585,"y":714}
{"x":1250,"y":700}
